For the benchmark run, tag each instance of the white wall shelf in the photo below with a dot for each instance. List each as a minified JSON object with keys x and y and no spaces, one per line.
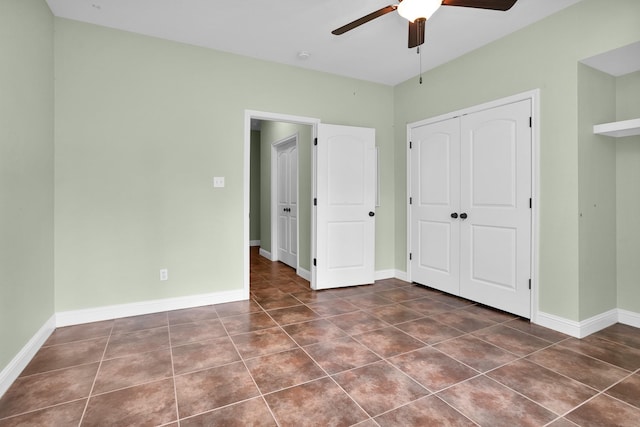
{"x":618,"y":129}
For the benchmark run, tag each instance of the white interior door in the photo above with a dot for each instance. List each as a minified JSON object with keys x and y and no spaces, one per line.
{"x":495,"y":248}
{"x":435,"y":196}
{"x":345,"y":206}
{"x":287,"y":202}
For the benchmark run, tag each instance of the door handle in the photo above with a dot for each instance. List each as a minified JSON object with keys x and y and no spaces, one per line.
{"x":454,"y":215}
{"x":372,"y":213}
{"x":463,"y":215}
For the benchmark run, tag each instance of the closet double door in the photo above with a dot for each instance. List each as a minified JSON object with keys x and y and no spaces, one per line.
{"x":470,"y":206}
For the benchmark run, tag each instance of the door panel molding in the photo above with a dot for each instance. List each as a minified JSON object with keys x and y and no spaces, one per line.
{"x":284,"y":197}
{"x":345,"y":192}
{"x":507,"y":195}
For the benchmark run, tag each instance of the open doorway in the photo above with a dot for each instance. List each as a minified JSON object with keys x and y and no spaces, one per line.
{"x":265,"y":132}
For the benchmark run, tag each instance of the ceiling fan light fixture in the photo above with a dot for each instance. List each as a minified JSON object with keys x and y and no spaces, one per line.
{"x":415,"y":9}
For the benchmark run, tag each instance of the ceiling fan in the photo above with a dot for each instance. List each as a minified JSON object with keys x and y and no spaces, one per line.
{"x":418,"y":11}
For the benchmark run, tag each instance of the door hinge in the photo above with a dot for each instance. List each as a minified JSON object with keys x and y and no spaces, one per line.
{"x":314,"y":262}
{"x":530,"y":122}
{"x":315,"y":141}
{"x":410,"y":256}
{"x":529,"y":283}
{"x":530,"y":203}
{"x":410,"y":145}
{"x":410,"y":200}
{"x":315,"y":202}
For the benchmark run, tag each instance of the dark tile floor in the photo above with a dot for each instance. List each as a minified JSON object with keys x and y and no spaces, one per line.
{"x":388,"y":354}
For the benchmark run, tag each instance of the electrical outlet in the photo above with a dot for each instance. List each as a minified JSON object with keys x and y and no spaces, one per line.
{"x":164,"y":274}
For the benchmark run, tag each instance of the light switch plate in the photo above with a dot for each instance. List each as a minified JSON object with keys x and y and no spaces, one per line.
{"x":218,"y":181}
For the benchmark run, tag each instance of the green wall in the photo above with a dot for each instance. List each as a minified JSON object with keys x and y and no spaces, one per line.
{"x":545,"y":56}
{"x":628,"y":195}
{"x":26,"y":173}
{"x":142,"y":127}
{"x":254,"y":187}
{"x":273,"y":132}
{"x":596,"y":193}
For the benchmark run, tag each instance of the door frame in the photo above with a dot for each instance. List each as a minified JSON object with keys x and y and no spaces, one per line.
{"x":275,"y":146}
{"x":534,"y":97}
{"x":274,"y":117}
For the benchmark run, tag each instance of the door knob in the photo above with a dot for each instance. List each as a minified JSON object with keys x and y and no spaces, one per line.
{"x":454,"y":215}
{"x":463,"y":215}
{"x":371,"y":213}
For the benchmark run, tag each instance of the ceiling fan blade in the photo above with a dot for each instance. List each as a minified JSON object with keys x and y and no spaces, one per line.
{"x":416,"y":32}
{"x":482,"y":4}
{"x":364,"y":20}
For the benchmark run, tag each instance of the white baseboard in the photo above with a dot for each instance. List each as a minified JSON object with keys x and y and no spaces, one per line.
{"x":265,"y":254}
{"x":254,"y":242}
{"x":629,"y":318}
{"x":88,"y":315}
{"x":578,"y":329}
{"x":384,"y":274}
{"x":12,"y":371}
{"x":402,"y":275}
{"x":305,"y":274}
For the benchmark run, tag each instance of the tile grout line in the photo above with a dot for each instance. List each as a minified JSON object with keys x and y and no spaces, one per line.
{"x":317,"y":364}
{"x":95,"y":379}
{"x":244,"y":363}
{"x":173,"y":371}
{"x":329,"y":376}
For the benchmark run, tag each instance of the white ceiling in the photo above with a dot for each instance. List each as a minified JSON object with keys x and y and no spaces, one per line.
{"x":278,"y":30}
{"x":617,"y":62}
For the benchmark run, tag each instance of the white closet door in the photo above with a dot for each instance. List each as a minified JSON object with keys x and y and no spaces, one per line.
{"x":495,"y":236}
{"x":435,"y":193}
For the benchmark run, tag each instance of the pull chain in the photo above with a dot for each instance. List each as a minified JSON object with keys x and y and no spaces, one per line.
{"x":420,"y":61}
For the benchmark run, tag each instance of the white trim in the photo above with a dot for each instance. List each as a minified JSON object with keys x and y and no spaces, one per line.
{"x":254,"y":242}
{"x":534,"y":97}
{"x":598,"y":322}
{"x":262,"y":115}
{"x":560,"y":324}
{"x":96,"y":314}
{"x":629,"y":318}
{"x":265,"y":254}
{"x":305,"y":274}
{"x":578,"y":329}
{"x":408,"y":193}
{"x":385,"y":274}
{"x":402,"y":275}
{"x":12,"y":371}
